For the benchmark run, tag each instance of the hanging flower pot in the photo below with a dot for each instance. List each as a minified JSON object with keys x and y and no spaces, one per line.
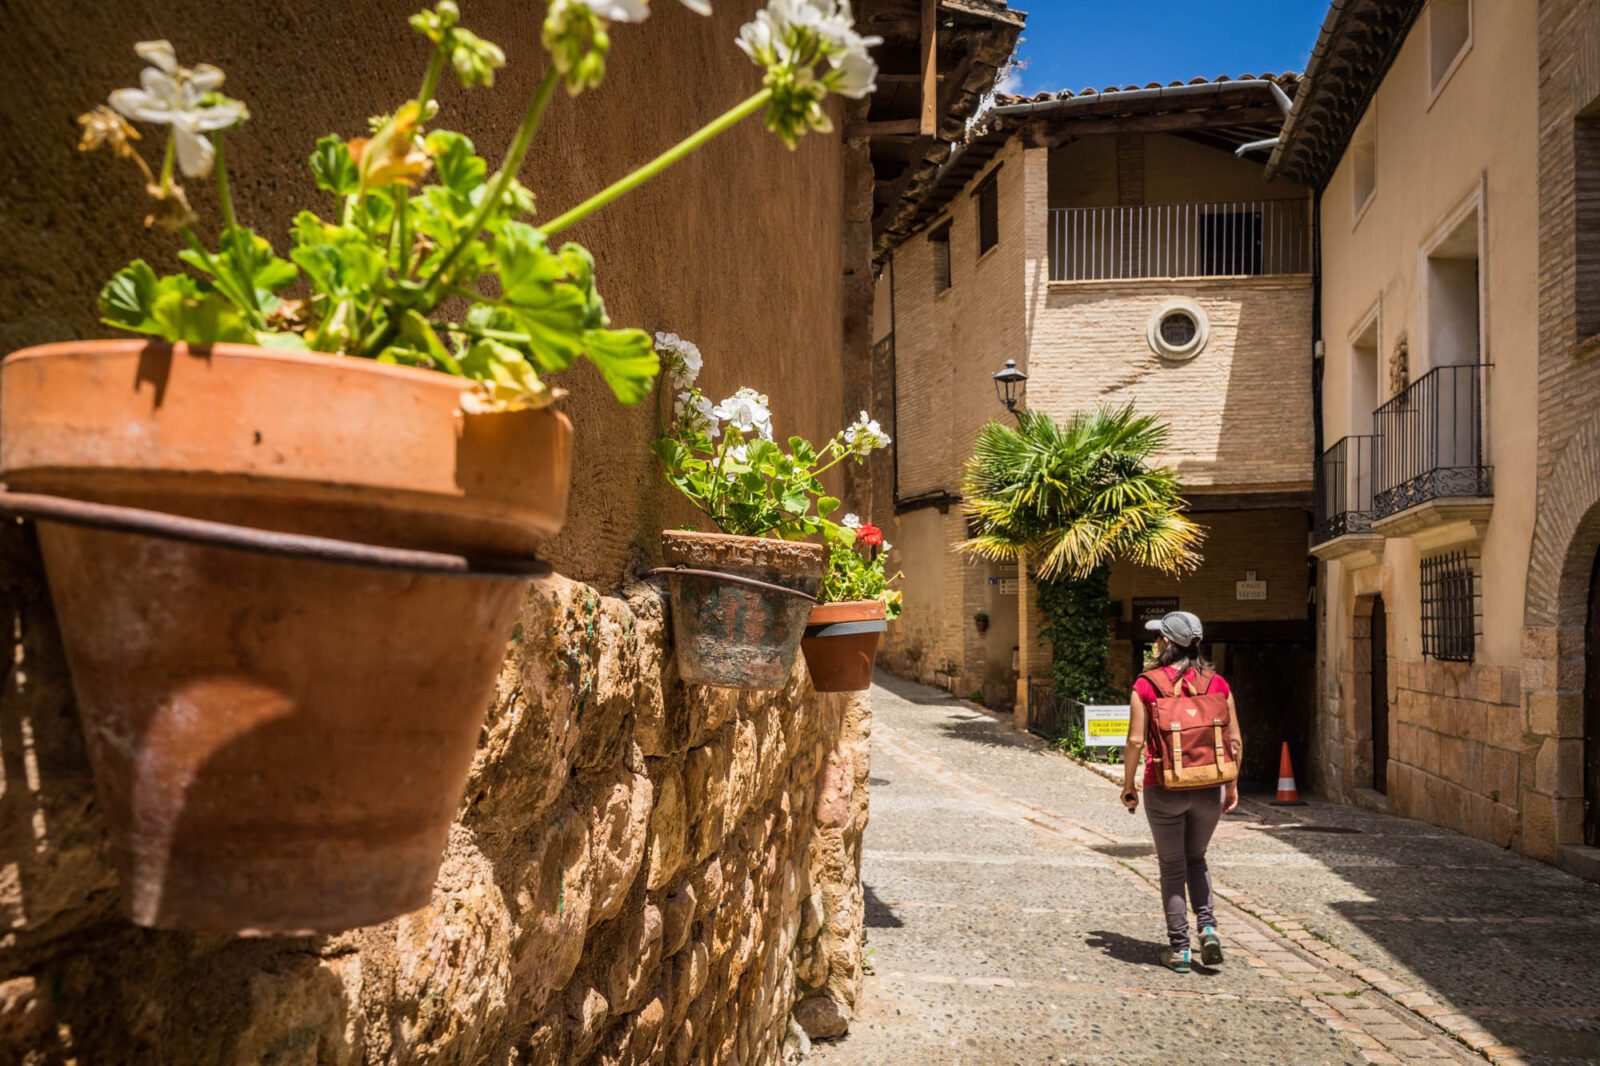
{"x":739,"y":605}
{"x":841,"y":644}
{"x":280,"y":723}
{"x":981,"y":622}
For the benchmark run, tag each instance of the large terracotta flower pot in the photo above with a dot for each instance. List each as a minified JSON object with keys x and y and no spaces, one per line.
{"x":279,"y":743}
{"x":737,"y":635}
{"x":841,"y":644}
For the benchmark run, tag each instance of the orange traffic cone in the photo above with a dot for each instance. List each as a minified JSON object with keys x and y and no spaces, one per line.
{"x":1288,"y":795}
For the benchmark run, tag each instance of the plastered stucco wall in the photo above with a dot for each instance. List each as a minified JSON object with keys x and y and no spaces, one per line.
{"x":738,"y":247}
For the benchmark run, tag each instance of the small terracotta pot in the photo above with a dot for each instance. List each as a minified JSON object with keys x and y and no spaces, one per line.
{"x":279,"y":744}
{"x":841,"y":644}
{"x":982,"y":624}
{"x":732,"y":635}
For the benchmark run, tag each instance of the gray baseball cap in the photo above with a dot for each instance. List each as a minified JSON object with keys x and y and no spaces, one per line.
{"x":1180,"y":627}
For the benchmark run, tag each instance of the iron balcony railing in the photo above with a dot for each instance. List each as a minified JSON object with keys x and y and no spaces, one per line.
{"x":1345,"y":488}
{"x":1430,"y":441}
{"x":1190,"y":240}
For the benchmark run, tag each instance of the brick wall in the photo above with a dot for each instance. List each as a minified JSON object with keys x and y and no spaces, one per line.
{"x":1567,"y":523}
{"x":1240,"y":410}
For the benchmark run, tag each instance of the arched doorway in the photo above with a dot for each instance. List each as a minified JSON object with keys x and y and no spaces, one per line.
{"x":1380,"y":697}
{"x":1591,"y":712}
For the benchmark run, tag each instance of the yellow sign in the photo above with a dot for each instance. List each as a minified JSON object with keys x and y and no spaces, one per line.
{"x":1108,"y":727}
{"x":1105,"y":725}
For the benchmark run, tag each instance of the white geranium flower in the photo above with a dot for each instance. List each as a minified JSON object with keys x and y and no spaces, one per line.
{"x":739,"y":453}
{"x":171,"y":95}
{"x":865,"y":435}
{"x":746,"y":411}
{"x":886,"y":549}
{"x":636,"y":10}
{"x":851,"y":521}
{"x":696,"y":412}
{"x":683,"y":359}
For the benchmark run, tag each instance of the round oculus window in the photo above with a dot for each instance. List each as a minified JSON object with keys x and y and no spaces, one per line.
{"x":1178,"y":330}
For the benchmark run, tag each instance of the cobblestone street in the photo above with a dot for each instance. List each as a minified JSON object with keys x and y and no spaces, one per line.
{"x":1012,"y":919}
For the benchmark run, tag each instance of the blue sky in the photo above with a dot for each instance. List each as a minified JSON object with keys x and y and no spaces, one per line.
{"x":1076,"y":44}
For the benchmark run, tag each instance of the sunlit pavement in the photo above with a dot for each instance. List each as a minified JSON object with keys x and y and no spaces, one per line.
{"x":1012,"y":919}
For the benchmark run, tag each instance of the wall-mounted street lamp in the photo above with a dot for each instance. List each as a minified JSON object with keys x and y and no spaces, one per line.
{"x":1008,"y":384}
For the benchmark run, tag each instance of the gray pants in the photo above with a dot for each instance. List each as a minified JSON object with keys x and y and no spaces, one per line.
{"x":1182,"y":824}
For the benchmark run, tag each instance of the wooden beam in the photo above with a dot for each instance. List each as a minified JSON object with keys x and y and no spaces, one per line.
{"x":897,"y":127}
{"x":913,"y":79}
{"x":1061,"y":130}
{"x":930,"y":69}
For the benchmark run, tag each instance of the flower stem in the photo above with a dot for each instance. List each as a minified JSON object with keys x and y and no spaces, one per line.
{"x":228,"y":286}
{"x":230,"y":222}
{"x":167,"y":163}
{"x":430,"y":80}
{"x":502,"y":181}
{"x":725,"y":121}
{"x":400,"y":231}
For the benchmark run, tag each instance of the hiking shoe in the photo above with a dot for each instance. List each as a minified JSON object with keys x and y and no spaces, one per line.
{"x":1210,"y":946}
{"x":1174,"y":960}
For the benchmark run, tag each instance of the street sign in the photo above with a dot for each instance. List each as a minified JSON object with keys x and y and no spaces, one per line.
{"x":1249,"y":588}
{"x":1152,"y":608}
{"x":1105,"y":725}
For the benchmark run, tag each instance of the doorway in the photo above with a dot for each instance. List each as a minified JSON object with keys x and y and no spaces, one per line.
{"x":1380,"y":697}
{"x":1591,"y":713}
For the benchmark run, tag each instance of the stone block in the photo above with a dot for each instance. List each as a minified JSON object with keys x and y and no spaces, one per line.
{"x":1499,"y":777}
{"x":618,"y":808}
{"x":552,"y":907}
{"x":634,"y":958}
{"x":1558,"y":768}
{"x":1505,"y":726}
{"x":821,"y":1018}
{"x":677,"y":915}
{"x":1539,"y":825}
{"x":669,"y":823}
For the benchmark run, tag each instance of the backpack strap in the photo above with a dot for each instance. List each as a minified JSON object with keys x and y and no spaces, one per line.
{"x":1202,"y":681}
{"x":1161,"y":681}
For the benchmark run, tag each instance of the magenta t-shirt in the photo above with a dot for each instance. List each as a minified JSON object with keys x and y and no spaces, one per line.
{"x":1147,"y":692}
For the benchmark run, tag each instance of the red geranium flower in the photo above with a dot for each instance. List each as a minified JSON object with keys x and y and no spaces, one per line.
{"x":870,"y":535}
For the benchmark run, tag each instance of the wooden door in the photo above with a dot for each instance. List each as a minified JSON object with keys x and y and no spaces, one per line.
{"x":1380,"y":697}
{"x":1591,"y":713}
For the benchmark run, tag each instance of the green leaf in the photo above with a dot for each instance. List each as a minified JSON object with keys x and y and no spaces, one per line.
{"x":826,"y":505}
{"x":460,"y":170}
{"x":126,"y":300}
{"x":199,"y":318}
{"x":509,"y":378}
{"x":626,"y":358}
{"x":543,"y":305}
{"x":419,"y":333}
{"x":289,"y":342}
{"x":332,"y":168}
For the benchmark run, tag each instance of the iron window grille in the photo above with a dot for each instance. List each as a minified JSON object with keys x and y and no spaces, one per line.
{"x":939,"y":242}
{"x":1449,"y":607}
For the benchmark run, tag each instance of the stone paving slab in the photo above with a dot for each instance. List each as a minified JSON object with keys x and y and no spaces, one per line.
{"x":1012,"y":918}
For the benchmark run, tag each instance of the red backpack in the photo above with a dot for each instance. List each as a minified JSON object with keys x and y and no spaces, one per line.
{"x":1188,"y":731}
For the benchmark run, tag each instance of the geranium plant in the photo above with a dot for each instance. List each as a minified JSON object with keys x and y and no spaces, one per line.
{"x":857,"y":566}
{"x":373,"y":273}
{"x":724,"y":458}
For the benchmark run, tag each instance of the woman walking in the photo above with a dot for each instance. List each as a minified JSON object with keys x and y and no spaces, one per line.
{"x":1182,"y":819}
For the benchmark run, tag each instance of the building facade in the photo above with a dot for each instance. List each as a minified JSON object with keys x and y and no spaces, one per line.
{"x":1115,"y":246}
{"x":1456,"y":527}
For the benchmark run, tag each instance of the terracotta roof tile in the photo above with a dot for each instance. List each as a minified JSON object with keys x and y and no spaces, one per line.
{"x":1288,"y":81}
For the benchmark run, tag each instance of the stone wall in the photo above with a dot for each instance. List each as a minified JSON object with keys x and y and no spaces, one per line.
{"x":639,"y":872}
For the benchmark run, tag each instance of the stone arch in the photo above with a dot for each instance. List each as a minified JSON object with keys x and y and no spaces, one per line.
{"x":1566,"y":543}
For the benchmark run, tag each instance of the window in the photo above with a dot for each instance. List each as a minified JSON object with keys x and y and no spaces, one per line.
{"x":939,"y":243}
{"x":1364,"y":398}
{"x":1449,"y":35}
{"x":1231,"y":242}
{"x":1178,"y":329}
{"x":988,"y":196}
{"x":1363,"y":156}
{"x":1449,"y":607}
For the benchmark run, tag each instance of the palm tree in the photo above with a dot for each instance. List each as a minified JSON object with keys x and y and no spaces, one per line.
{"x":1075,"y":499}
